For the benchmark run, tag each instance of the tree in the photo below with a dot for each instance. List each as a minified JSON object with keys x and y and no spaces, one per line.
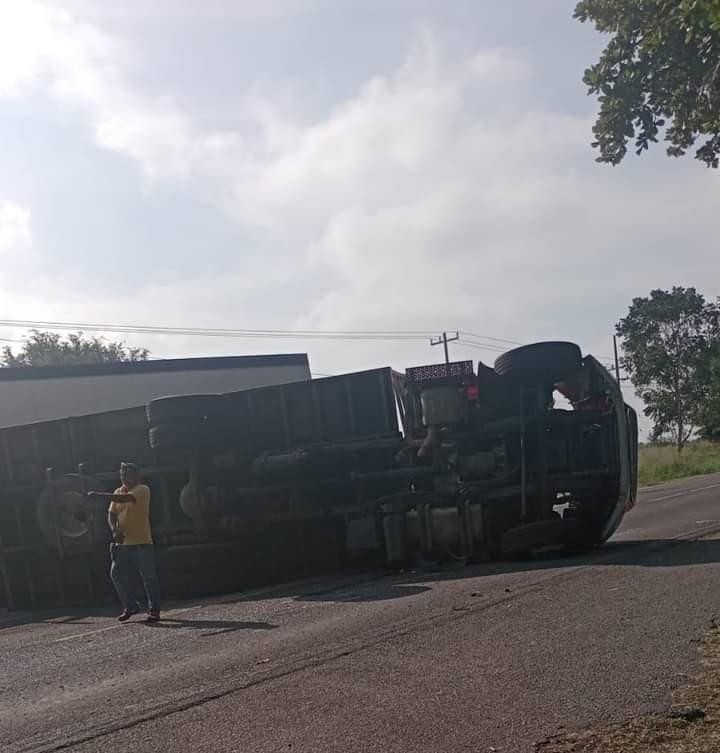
{"x":669,"y":342}
{"x":661,"y":65}
{"x":52,"y":349}
{"x":710,"y":412}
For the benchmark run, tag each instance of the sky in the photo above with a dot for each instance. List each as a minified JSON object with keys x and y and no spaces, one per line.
{"x":405,"y":165}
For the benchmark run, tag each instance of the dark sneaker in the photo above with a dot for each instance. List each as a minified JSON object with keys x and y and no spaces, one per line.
{"x":153,"y":616}
{"x":126,"y":615}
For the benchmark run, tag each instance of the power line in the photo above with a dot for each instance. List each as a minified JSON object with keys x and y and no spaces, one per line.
{"x":222,"y":332}
{"x":383,"y":335}
{"x":488,"y":337}
{"x":482,"y":346}
{"x":465,"y":338}
{"x":476,"y":336}
{"x":477,"y":346}
{"x":370,"y":335}
{"x":108,"y":326}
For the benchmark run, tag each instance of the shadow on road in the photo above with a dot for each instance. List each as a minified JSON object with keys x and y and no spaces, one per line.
{"x":79,"y":615}
{"x":380,"y":591}
{"x":666,"y":552}
{"x":378,"y":586}
{"x":217,"y":627}
{"x":641,"y":553}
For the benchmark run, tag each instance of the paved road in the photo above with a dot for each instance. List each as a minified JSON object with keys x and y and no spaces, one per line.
{"x":494,"y":657}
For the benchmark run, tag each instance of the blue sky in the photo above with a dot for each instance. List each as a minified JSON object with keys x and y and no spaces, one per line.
{"x":327,"y":164}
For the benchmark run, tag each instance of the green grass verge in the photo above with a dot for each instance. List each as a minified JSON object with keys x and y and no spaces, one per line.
{"x":660,"y":464}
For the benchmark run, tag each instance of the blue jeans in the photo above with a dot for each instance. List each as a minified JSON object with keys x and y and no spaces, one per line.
{"x":127,"y":563}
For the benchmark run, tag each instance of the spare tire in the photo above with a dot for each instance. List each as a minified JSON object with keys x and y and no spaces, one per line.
{"x":547,"y":362}
{"x":544,"y":534}
{"x":181,"y":408}
{"x":204,"y":436}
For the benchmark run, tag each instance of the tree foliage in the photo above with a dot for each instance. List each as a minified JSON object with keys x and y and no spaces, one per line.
{"x":661,"y":66}
{"x":669,"y":343}
{"x":52,"y":349}
{"x":710,"y":411}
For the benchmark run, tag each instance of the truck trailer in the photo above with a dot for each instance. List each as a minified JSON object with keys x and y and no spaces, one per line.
{"x":444,"y":463}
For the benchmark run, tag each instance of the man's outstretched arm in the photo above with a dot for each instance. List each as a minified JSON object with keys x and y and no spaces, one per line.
{"x":112,"y":496}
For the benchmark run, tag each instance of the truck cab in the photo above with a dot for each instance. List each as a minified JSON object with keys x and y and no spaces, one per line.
{"x":535,"y":475}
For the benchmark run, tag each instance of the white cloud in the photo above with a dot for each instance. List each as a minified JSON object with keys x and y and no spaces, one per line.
{"x":15,"y":230}
{"x":390,"y":126}
{"x":413,"y":190}
{"x":381,"y":145}
{"x":220,"y":10}
{"x":42,"y":43}
{"x":85,"y":68}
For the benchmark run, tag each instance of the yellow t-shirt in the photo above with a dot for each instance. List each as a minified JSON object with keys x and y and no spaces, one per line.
{"x":134,"y":517}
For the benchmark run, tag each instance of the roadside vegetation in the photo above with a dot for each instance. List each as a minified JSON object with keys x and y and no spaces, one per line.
{"x":671,"y":353}
{"x":660,"y":463}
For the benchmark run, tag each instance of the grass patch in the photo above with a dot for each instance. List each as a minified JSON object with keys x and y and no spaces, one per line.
{"x":691,"y":726}
{"x":662,"y":463}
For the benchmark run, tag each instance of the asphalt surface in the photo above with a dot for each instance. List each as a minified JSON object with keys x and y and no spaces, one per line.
{"x":493,"y":657}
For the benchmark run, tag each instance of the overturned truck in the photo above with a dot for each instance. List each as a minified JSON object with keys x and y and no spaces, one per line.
{"x":444,"y":462}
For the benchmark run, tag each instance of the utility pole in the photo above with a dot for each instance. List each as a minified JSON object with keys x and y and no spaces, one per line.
{"x":444,"y":340}
{"x":617,"y":360}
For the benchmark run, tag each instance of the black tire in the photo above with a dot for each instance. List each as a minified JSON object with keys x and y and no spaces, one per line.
{"x":195,"y":436}
{"x":548,"y":362}
{"x":65,"y":511}
{"x":184,"y":408}
{"x":544,"y":534}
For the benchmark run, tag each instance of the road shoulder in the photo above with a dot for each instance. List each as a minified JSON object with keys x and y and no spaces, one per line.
{"x":691,"y":725}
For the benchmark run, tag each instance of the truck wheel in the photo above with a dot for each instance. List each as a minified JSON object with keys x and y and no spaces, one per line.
{"x":65,"y":512}
{"x":547,"y":362}
{"x":184,"y":408}
{"x":545,"y":534}
{"x":202,"y":436}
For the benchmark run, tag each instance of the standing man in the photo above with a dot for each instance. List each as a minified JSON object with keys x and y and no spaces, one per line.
{"x":132,"y":550}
